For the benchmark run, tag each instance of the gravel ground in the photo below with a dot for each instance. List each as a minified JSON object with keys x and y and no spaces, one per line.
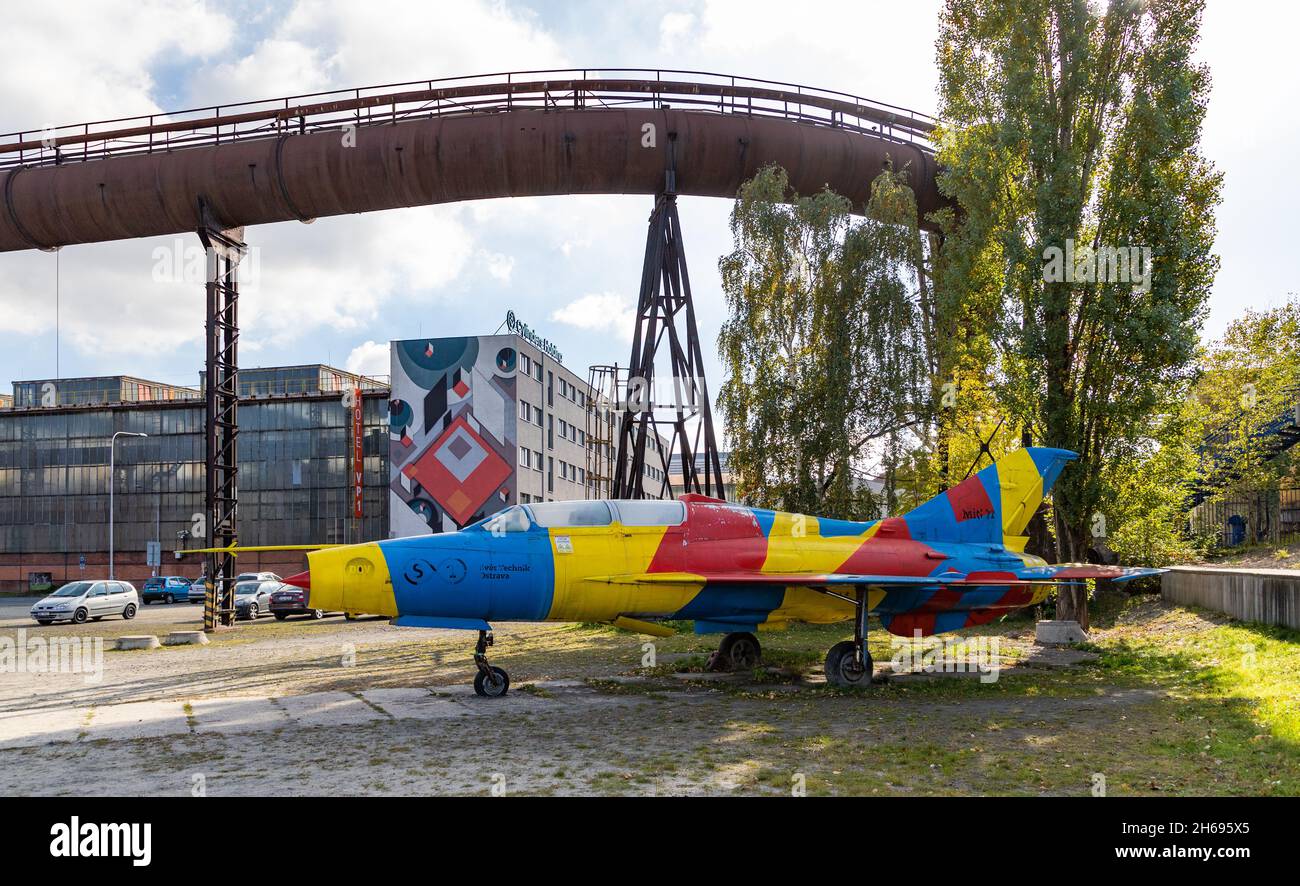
{"x":334,"y":707}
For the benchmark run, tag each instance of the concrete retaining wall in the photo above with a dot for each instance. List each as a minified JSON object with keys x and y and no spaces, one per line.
{"x":1267,"y":596}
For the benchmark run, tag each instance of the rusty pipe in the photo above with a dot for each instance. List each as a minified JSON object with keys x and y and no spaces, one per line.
{"x":419,"y":162}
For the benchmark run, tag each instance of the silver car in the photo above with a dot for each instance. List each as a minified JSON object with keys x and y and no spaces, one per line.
{"x":80,"y":601}
{"x":253,"y":598}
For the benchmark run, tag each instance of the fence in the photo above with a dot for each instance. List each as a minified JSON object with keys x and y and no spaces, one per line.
{"x":1268,"y":516}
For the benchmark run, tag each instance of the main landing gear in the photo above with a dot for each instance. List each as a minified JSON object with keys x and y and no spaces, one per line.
{"x":737,"y":652}
{"x":849,"y":663}
{"x":490,"y":681}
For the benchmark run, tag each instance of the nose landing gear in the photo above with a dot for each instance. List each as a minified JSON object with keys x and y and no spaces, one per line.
{"x":490,"y":681}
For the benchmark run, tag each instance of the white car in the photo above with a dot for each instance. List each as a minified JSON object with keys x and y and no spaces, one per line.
{"x":80,"y":601}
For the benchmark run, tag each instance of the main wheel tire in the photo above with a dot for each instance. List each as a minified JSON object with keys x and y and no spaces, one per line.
{"x":252,"y":612}
{"x":129,"y":612}
{"x":740,"y":651}
{"x":841,"y":670}
{"x":317,"y":614}
{"x":494,"y":686}
{"x":79,"y":617}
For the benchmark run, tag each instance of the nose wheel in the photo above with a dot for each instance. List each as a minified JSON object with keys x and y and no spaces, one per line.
{"x":490,"y":681}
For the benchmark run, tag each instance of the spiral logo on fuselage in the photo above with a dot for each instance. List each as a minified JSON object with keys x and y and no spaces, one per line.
{"x":452,"y":570}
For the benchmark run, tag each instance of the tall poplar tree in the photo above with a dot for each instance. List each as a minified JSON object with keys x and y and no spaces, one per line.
{"x":1075,"y":126}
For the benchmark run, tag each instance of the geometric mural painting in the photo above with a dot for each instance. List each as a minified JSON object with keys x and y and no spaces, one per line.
{"x":452,"y":424}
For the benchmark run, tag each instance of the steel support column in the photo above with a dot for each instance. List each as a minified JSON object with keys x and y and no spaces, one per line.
{"x":225,"y":247}
{"x":666,"y":320}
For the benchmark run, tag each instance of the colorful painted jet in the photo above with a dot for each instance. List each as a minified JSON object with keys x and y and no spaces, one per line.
{"x":956,"y":561}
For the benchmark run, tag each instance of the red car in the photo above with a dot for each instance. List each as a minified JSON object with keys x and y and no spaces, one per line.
{"x":288,"y":600}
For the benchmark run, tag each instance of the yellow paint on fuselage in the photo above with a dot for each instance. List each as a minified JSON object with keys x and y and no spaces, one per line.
{"x":795,"y":544}
{"x":583,"y":590}
{"x":814,"y":607}
{"x":353,"y":578}
{"x":598,"y":552}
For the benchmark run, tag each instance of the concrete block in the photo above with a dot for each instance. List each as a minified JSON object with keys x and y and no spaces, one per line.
{"x":1059,"y":633}
{"x":138,"y":641}
{"x":186,"y":638}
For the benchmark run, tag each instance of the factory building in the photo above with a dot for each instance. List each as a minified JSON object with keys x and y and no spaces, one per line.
{"x":472,"y":424}
{"x":294,"y":460}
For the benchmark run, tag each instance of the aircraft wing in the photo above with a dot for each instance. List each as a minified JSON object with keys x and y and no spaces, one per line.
{"x":810,"y":579}
{"x":1065,"y":573}
{"x":1079,"y":571}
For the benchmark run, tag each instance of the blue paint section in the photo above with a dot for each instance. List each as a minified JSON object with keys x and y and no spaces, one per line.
{"x":1050,"y":463}
{"x":473,"y":575}
{"x":765,"y":520}
{"x":428,"y":621}
{"x":900,"y":600}
{"x":725,"y":627}
{"x":932,"y":521}
{"x":983,"y":596}
{"x":954,"y":620}
{"x":829,"y":528}
{"x":969,"y":513}
{"x":993,"y":489}
{"x":732,"y":607}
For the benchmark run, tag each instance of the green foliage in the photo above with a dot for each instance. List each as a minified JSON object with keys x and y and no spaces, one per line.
{"x":823,"y":346}
{"x":1081,"y":122}
{"x":1250,"y":381}
{"x":1248,"y":387}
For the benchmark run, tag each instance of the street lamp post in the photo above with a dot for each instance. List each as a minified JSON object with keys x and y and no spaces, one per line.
{"x":112,"y":472}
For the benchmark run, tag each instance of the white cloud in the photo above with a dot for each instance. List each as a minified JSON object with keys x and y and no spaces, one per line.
{"x":673,"y":28}
{"x":498,"y":266}
{"x":332,"y":44}
{"x":70,"y":62}
{"x":337,"y":273}
{"x":369,"y":358}
{"x":569,"y":247}
{"x":606,"y":312}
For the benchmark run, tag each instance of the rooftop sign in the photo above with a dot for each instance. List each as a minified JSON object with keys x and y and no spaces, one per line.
{"x":524,"y":331}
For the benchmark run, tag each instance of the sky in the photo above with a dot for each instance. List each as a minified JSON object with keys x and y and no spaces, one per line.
{"x":338,"y":290}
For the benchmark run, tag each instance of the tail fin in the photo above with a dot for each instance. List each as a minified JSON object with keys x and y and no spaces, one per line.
{"x":995,"y":505}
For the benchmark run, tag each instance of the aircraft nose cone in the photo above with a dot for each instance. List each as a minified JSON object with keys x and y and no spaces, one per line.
{"x":301,"y":580}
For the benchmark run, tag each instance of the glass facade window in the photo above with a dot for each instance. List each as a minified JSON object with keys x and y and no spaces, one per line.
{"x":293,"y":475}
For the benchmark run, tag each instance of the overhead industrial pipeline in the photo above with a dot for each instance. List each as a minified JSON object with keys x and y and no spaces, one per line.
{"x":362,"y":152}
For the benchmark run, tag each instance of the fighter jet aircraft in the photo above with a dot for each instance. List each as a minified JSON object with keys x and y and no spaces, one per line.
{"x":956,"y":561}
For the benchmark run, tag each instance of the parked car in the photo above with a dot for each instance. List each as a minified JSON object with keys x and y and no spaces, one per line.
{"x":253,"y":598}
{"x":199,"y":589}
{"x":167,"y":588}
{"x":288,"y":600}
{"x":256,"y":576}
{"x":81,"y":600}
